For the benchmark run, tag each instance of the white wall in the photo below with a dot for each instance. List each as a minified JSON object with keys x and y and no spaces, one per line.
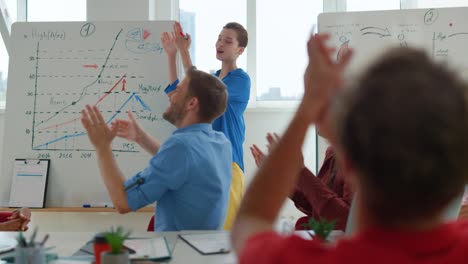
{"x":258,"y":123}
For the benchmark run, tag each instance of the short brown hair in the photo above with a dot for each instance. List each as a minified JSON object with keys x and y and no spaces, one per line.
{"x":210,"y":91}
{"x":404,"y":128}
{"x":242,"y":35}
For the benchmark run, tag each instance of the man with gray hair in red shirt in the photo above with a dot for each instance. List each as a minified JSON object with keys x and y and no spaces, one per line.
{"x":400,"y":135}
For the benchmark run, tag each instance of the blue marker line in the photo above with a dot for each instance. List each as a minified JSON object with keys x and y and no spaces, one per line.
{"x":60,"y":138}
{"x":146,"y":107}
{"x":118,"y":110}
{"x":83,"y":133}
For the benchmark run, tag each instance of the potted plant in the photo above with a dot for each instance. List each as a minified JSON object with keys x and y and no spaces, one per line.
{"x":117,"y":255}
{"x":322,"y":228}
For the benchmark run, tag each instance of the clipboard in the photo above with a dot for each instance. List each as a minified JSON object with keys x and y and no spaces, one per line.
{"x":153,"y":249}
{"x":29,"y":183}
{"x":209,"y":243}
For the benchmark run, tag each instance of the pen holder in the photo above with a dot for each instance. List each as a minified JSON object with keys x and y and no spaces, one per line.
{"x":30,"y":255}
{"x":109,"y":258}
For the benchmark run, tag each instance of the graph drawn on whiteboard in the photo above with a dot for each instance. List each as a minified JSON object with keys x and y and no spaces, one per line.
{"x":66,"y":79}
{"x":441,"y":32}
{"x":55,"y":70}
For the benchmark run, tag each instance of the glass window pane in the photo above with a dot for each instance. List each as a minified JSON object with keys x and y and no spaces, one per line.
{"x":3,"y":72}
{"x":11,"y":9}
{"x":441,"y":3}
{"x":282,"y":32}
{"x":69,"y":10}
{"x":203,"y":20}
{"x":367,"y":5}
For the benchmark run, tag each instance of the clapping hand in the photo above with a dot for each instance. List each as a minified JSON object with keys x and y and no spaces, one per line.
{"x":322,"y":78}
{"x":168,"y":43}
{"x":99,"y":133}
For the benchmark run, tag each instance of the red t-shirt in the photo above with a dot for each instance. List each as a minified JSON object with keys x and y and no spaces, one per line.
{"x":445,"y":244}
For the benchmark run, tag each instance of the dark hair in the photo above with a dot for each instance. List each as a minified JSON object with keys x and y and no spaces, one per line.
{"x":242,"y":35}
{"x":404,"y":128}
{"x":210,"y":91}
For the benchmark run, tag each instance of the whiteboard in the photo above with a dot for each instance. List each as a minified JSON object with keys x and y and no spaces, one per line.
{"x":442,"y":33}
{"x":55,"y":69}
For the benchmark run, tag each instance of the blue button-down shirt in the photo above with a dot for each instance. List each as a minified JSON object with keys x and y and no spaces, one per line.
{"x":231,"y":123}
{"x":189,"y":177}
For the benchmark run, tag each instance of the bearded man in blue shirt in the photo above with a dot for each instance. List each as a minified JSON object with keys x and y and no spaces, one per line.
{"x":189,"y":175}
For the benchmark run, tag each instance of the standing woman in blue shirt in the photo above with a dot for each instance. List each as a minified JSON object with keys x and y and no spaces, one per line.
{"x":231,"y":43}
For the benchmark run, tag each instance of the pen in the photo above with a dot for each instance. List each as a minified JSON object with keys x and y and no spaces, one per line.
{"x":44,"y":240}
{"x":140,"y":181}
{"x":183,"y":35}
{"x":33,"y":237}
{"x":21,"y":240}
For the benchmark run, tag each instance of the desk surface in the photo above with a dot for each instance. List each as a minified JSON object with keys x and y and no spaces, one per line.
{"x":67,"y":243}
{"x":77,"y":209}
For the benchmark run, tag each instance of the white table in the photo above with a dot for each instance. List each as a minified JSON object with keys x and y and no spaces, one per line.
{"x":67,"y":243}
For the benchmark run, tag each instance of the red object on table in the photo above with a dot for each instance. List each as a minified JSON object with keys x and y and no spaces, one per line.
{"x":100,"y":245}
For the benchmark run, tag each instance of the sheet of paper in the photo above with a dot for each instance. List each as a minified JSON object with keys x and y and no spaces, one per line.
{"x":7,"y":243}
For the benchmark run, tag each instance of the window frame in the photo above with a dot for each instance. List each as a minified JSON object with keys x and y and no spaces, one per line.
{"x":21,"y":16}
{"x":261,"y":105}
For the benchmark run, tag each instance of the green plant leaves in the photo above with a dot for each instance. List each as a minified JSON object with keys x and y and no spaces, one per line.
{"x":116,"y":238}
{"x":322,"y":228}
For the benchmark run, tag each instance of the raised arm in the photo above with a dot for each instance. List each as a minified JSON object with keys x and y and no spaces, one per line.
{"x":168,"y":44}
{"x":274,"y":180}
{"x":182,"y":42}
{"x":132,"y":131}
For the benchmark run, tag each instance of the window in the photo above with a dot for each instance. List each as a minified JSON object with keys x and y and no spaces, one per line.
{"x":367,"y":5}
{"x":273,"y":81}
{"x":3,"y":73}
{"x":11,"y":9}
{"x":38,"y":10}
{"x":203,"y":20}
{"x":281,"y":56}
{"x":70,"y":10}
{"x":439,"y":3}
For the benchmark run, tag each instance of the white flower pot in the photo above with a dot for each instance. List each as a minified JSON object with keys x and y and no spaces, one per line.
{"x":108,"y":258}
